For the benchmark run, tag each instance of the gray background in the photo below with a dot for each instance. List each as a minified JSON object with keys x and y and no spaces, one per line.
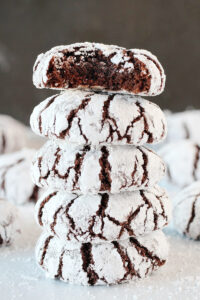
{"x":168,"y":28}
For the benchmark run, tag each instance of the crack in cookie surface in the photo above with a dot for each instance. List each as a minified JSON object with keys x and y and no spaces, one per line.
{"x":104,"y":175}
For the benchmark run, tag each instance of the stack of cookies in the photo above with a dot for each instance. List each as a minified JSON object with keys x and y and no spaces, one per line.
{"x":102,"y":212}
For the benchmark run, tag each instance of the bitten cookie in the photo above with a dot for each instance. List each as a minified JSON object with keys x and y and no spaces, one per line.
{"x":99,"y":67}
{"x":107,"y":169}
{"x":103,"y":263}
{"x":12,"y":134}
{"x":183,"y":163}
{"x":95,"y":118}
{"x":9,"y":223}
{"x":103,"y":217}
{"x":15,"y":179}
{"x":187,"y":211}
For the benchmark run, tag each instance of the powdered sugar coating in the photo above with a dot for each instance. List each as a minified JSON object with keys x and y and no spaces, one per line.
{"x":15,"y":179}
{"x":9,"y":223}
{"x":111,"y":169}
{"x":183,"y":163}
{"x":95,"y":118}
{"x":187,"y":211}
{"x":105,"y":217}
{"x":103,"y":263}
{"x":12,"y":134}
{"x":118,"y":56}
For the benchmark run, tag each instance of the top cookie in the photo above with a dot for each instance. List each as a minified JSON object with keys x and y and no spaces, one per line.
{"x":99,"y":67}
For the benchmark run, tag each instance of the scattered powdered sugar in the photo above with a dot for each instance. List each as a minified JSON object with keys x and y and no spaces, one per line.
{"x":119,"y":57}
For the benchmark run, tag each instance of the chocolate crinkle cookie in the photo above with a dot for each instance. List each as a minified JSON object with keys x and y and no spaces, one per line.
{"x":81,"y":117}
{"x":13,"y":134}
{"x":182,"y":161}
{"x":9,"y":223}
{"x":95,"y":66}
{"x":16,"y":184}
{"x":111,"y":169}
{"x":103,"y":217}
{"x":186,"y":215}
{"x":102,"y":263}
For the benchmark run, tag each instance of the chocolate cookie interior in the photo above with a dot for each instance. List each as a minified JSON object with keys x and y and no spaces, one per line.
{"x":97,"y":70}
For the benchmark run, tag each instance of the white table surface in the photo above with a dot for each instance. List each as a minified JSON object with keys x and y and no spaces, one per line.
{"x":20,"y":277}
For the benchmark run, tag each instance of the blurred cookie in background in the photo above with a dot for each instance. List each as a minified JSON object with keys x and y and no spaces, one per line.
{"x":9,"y":223}
{"x":183,"y":125}
{"x":186,"y":213}
{"x":15,"y":180}
{"x":14,"y":135}
{"x":183,"y":163}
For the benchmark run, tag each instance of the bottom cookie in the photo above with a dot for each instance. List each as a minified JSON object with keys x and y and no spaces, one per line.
{"x":104,"y":263}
